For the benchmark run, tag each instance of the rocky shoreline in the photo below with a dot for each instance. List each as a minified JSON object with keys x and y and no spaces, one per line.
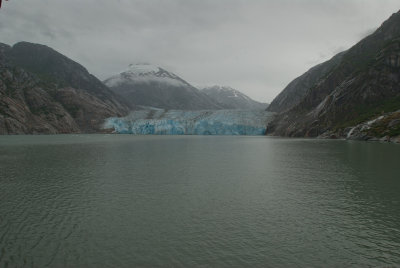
{"x":384,"y":128}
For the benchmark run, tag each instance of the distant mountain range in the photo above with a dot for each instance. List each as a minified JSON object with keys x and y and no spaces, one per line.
{"x":356,"y":94}
{"x":230,"y":98}
{"x":147,"y":85}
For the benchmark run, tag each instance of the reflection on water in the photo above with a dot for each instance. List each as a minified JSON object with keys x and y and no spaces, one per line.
{"x":123,"y":201}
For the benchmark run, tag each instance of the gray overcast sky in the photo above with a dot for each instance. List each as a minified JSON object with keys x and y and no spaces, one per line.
{"x":256,"y":46}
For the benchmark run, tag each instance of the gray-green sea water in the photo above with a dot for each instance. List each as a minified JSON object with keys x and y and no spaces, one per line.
{"x":190,"y":201}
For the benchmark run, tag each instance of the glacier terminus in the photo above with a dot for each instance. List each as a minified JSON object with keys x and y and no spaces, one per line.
{"x":180,"y":122}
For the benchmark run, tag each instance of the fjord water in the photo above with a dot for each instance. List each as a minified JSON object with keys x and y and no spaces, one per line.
{"x":124,"y":201}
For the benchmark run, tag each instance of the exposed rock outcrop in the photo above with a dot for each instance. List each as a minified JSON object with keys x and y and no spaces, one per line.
{"x":27,"y":107}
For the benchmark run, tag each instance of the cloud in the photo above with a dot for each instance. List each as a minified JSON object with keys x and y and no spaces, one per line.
{"x":257,"y":46}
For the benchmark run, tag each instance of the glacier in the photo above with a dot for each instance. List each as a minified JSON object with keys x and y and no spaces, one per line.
{"x":179,"y":122}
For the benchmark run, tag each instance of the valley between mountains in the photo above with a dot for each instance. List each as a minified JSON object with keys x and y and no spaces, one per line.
{"x":354,"y":95}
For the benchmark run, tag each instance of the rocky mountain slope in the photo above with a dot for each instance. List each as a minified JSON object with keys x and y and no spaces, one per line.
{"x":296,"y":90}
{"x":230,"y":98}
{"x":363,"y":85}
{"x":42,"y":91}
{"x":148,"y":85}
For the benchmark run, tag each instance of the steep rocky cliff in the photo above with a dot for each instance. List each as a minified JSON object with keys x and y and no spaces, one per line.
{"x":363,"y":85}
{"x":27,"y":107}
{"x":42,"y":91}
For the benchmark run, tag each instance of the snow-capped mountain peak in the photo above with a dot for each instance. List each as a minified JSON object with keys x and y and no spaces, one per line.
{"x":153,"y":86}
{"x":145,"y":69}
{"x":145,"y":73}
{"x":142,"y":69}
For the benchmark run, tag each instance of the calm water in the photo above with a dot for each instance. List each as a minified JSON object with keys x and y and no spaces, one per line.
{"x":124,"y":201}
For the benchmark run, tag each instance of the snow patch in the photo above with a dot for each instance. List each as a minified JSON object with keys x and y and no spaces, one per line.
{"x":154,"y":79}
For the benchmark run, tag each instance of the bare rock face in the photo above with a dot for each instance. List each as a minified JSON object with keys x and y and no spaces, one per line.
{"x":25,"y":107}
{"x":88,"y":111}
{"x":362,"y":86}
{"x":42,"y":91}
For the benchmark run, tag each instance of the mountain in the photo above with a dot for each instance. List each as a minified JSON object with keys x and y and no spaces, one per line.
{"x":230,"y":98}
{"x":43,"y":91}
{"x":361,"y":85}
{"x":293,"y":93}
{"x":148,"y":85}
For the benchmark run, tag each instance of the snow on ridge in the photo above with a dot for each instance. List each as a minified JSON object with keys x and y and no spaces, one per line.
{"x":219,"y":88}
{"x":227,"y":89}
{"x":147,"y":79}
{"x":144,"y":73}
{"x":144,"y":69}
{"x":156,"y":79}
{"x":141,"y":69}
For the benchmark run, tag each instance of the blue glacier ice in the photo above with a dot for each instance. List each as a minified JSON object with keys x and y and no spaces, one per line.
{"x":178,"y":122}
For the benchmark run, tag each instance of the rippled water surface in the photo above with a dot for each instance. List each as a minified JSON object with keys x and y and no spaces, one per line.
{"x":124,"y":201}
